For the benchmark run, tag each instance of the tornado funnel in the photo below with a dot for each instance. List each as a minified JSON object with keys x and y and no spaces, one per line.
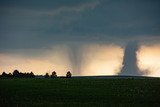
{"x":130,"y":60}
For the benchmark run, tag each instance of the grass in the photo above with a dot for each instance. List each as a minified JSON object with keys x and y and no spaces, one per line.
{"x":79,"y":92}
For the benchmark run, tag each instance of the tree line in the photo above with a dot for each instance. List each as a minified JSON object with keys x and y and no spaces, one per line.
{"x":54,"y":75}
{"x":18,"y":74}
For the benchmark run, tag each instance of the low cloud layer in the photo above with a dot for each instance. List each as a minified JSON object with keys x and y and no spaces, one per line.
{"x":45,"y":60}
{"x":38,"y":24}
{"x":64,"y":30}
{"x":101,"y":59}
{"x":148,"y":59}
{"x":93,"y":59}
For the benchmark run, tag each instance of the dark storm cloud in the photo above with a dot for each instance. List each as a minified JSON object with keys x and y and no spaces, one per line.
{"x":122,"y":18}
{"x":39,"y":23}
{"x":32,"y":27}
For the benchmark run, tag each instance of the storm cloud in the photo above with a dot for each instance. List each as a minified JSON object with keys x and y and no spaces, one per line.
{"x":43,"y":24}
{"x":38,"y":23}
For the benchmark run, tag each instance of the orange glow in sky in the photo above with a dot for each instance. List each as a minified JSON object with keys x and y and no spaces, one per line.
{"x":49,"y":62}
{"x":96,"y":60}
{"x":102,"y":60}
{"x":149,"y":60}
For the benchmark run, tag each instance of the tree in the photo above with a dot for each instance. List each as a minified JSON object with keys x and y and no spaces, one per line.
{"x":46,"y":75}
{"x":4,"y":74}
{"x":16,"y":73}
{"x":68,"y":75}
{"x":54,"y":75}
{"x":32,"y":74}
{"x":9,"y":75}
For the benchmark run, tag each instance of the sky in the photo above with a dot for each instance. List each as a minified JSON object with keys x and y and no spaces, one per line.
{"x":86,"y":37}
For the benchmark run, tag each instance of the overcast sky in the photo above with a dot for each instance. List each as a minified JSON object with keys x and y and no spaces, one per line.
{"x":42,"y":24}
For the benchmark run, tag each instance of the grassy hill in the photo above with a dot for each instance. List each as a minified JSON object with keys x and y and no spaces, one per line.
{"x":79,"y":92}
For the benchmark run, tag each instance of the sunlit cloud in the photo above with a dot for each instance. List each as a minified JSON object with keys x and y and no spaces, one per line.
{"x":93,"y":59}
{"x":101,"y":60}
{"x":54,"y":59}
{"x":149,"y":60}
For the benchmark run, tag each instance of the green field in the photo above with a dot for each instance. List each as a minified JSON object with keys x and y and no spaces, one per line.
{"x":79,"y":92}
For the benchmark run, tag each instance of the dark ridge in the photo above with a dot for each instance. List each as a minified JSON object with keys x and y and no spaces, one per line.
{"x":113,"y":76}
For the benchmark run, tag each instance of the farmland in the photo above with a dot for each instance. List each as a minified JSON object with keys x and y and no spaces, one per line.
{"x":38,"y":92}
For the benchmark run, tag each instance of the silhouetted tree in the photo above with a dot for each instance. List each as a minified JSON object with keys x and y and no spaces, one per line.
{"x":16,"y":73}
{"x":54,"y":75}
{"x":27,"y":74}
{"x":4,"y":74}
{"x":32,"y":74}
{"x":68,"y":75}
{"x":46,"y":75}
{"x":21,"y":75}
{"x":10,"y":75}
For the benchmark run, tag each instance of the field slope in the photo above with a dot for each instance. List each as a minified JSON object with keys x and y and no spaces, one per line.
{"x":79,"y":92}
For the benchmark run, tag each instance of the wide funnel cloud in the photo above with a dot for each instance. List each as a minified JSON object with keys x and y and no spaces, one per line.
{"x":130,"y":59}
